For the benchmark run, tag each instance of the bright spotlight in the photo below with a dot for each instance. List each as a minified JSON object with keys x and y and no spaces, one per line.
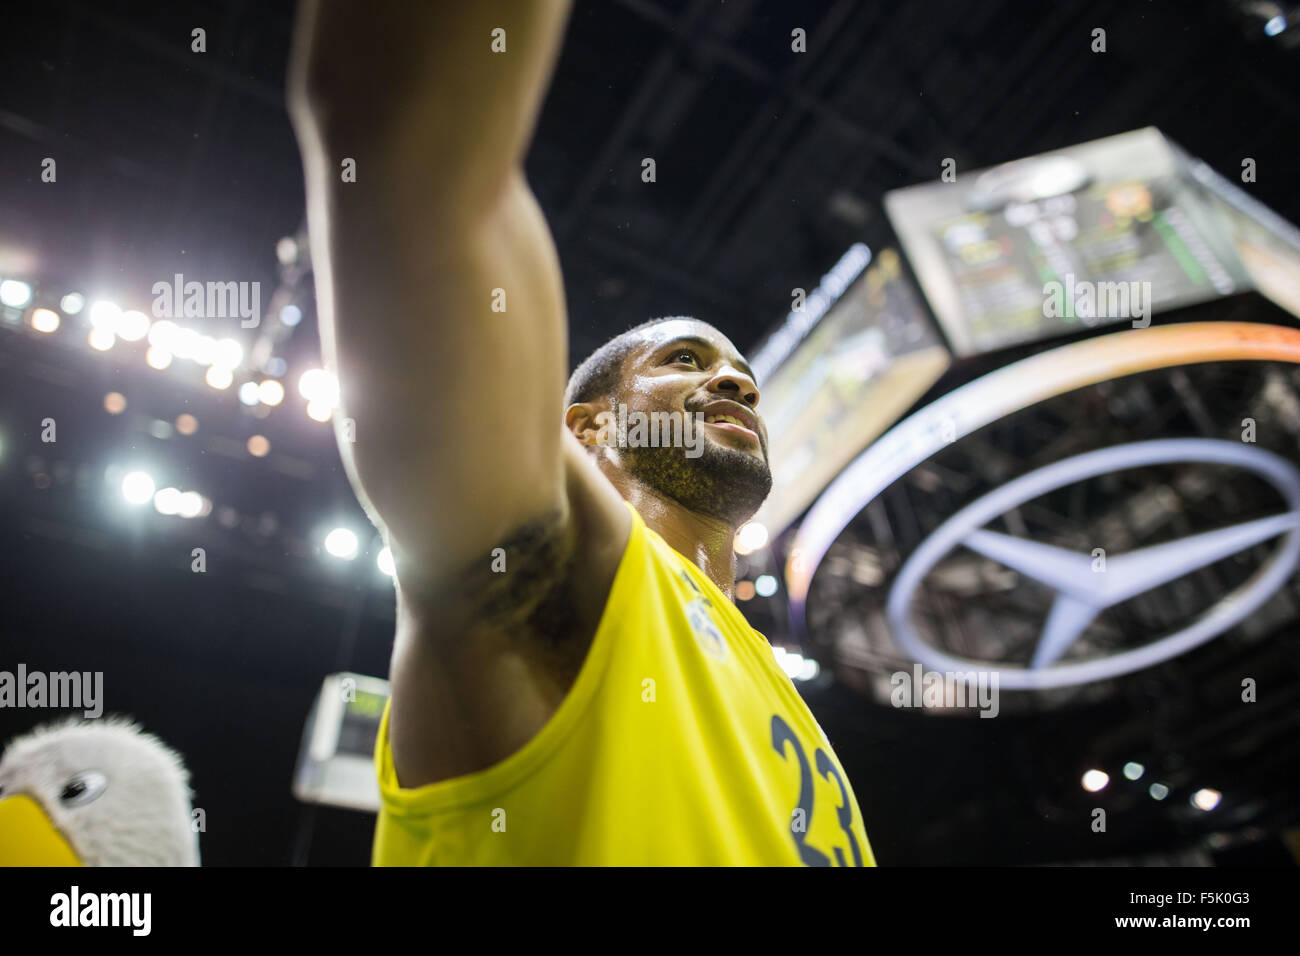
{"x":291,"y":315}
{"x":270,"y":392}
{"x":750,"y":538}
{"x":218,"y":376}
{"x":1275,"y":25}
{"x":258,"y":446}
{"x":319,"y":411}
{"x":1206,"y":799}
{"x":1095,"y":780}
{"x":105,"y":314}
{"x":795,"y":664}
{"x":248,"y":393}
{"x":1158,"y":791}
{"x":318,"y":385}
{"x":205,"y":350}
{"x":385,"y":562}
{"x":229,"y":353}
{"x":157,"y":358}
{"x":791,"y":663}
{"x":189,"y":504}
{"x":15,"y":293}
{"x":72,"y":303}
{"x":101,"y":339}
{"x":45,"y":320}
{"x":309,"y":383}
{"x":286,"y":250}
{"x":1133,"y":771}
{"x":137,"y":487}
{"x":185,"y":344}
{"x":341,"y":543}
{"x":765,"y":585}
{"x":115,"y":403}
{"x":163,"y":334}
{"x":168,"y":501}
{"x":132,"y":326}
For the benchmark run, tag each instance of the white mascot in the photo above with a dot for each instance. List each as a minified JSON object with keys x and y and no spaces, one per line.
{"x":94,"y":793}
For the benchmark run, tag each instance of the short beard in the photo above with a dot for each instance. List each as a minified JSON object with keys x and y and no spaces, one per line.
{"x":722,"y":483}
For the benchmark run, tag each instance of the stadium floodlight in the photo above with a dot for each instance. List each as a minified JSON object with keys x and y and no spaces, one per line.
{"x":45,"y":320}
{"x":15,"y":293}
{"x":137,"y":487}
{"x":229,"y":353}
{"x":189,"y":504}
{"x":132,"y":326}
{"x":167,"y":501}
{"x":751,"y":537}
{"x":1095,"y":780}
{"x":271,"y":392}
{"x":318,"y":385}
{"x":218,"y":376}
{"x":341,"y":543}
{"x":104,"y":314}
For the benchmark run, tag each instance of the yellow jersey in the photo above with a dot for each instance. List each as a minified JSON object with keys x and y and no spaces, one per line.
{"x":681,"y":743}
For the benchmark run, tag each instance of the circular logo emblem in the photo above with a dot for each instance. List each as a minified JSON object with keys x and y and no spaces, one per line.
{"x":706,"y":632}
{"x":1083,"y":586}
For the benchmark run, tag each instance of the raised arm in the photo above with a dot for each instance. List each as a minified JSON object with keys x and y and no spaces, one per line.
{"x":438,"y":287}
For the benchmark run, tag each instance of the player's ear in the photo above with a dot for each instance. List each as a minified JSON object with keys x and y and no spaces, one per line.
{"x":592,"y":423}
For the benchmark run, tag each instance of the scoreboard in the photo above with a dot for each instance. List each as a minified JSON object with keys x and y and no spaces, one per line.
{"x":1002,"y":252}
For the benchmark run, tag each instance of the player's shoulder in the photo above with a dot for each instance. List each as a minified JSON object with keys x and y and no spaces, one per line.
{"x":503,"y":644}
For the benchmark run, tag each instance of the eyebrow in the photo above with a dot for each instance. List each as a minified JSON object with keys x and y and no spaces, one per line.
{"x":740,"y":363}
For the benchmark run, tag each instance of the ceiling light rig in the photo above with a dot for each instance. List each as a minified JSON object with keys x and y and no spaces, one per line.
{"x":250,"y":372}
{"x":247,"y":373}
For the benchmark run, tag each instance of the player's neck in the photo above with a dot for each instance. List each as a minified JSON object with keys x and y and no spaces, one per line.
{"x":705,"y":542}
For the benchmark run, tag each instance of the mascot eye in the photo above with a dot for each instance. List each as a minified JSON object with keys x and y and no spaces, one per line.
{"x":83,"y":788}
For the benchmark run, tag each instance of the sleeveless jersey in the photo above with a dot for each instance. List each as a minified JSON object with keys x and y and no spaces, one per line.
{"x":681,"y":743}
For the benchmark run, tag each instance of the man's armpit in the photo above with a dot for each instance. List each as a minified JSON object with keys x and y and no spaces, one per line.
{"x":524,"y":585}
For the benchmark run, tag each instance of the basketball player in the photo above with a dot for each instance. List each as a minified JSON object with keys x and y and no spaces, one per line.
{"x":572,"y":683}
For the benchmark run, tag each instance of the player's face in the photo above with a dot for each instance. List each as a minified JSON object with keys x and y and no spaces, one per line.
{"x":691,"y":369}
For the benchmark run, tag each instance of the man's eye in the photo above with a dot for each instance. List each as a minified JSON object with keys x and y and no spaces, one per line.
{"x":686,"y":356}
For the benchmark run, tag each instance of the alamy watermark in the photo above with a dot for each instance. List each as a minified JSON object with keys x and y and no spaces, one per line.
{"x":950,"y":689}
{"x":212,"y":300}
{"x":62,"y":690}
{"x":1097,"y":301}
{"x":633,"y":429}
{"x":75,"y":908}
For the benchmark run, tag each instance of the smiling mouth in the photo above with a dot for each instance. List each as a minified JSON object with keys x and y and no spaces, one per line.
{"x":730,"y":423}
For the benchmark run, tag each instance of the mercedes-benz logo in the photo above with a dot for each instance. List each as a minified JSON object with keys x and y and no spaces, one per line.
{"x":1081,"y":592}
